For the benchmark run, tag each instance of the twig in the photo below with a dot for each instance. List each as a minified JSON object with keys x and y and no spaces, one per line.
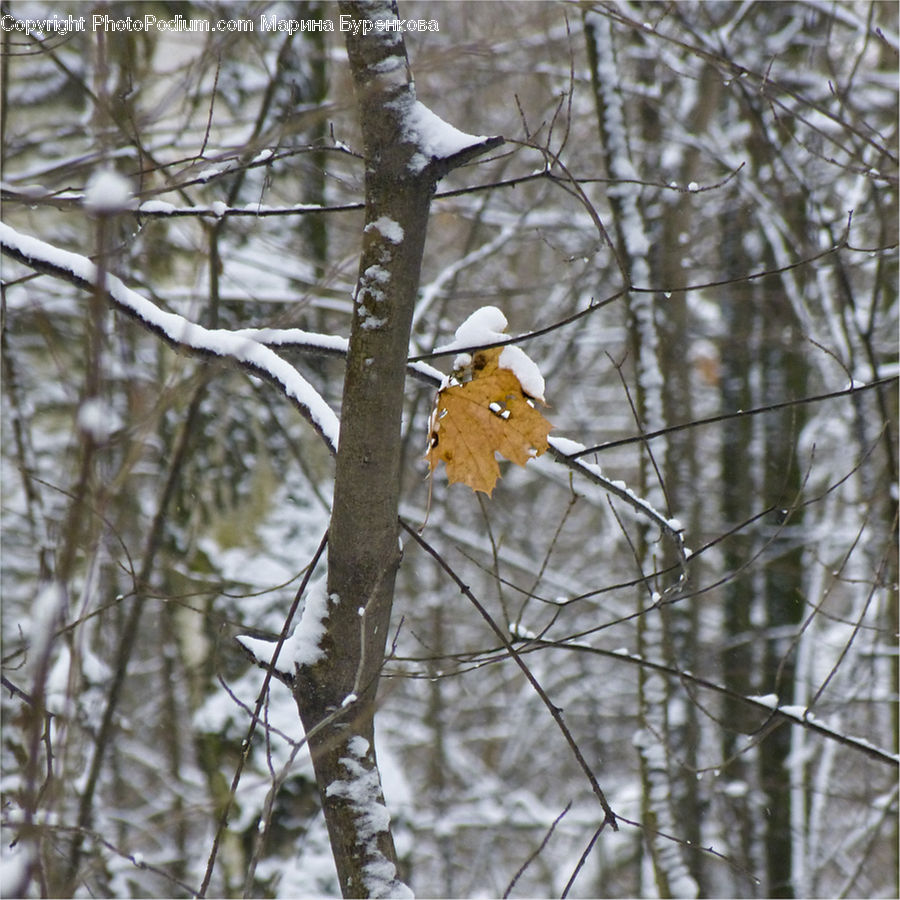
{"x":555,"y":711}
{"x":534,"y":855}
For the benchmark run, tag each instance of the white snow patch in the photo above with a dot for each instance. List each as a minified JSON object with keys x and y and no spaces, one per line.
{"x":362,"y":790}
{"x":45,"y":612}
{"x":565,"y":446}
{"x":735,"y":788}
{"x":209,"y":173}
{"x":379,"y":275}
{"x":525,"y":369}
{"x":484,"y":327}
{"x":304,"y":643}
{"x":520,"y":631}
{"x":57,"y":687}
{"x":388,"y":228}
{"x":157,"y":206}
{"x":98,"y":419}
{"x":770,"y":700}
{"x":389,"y":64}
{"x":435,"y":138}
{"x":295,"y":337}
{"x":107,"y":192}
{"x":18,"y":858}
{"x":302,"y":648}
{"x":368,"y":321}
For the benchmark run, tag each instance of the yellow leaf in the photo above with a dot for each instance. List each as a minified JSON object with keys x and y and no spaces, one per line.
{"x":486,"y":415}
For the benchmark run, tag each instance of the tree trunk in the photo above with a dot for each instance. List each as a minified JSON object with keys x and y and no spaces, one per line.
{"x":336,"y":695}
{"x":671,"y":874}
{"x":784,"y":376}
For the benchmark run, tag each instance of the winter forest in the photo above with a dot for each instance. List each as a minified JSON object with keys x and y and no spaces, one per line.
{"x":255,"y":643}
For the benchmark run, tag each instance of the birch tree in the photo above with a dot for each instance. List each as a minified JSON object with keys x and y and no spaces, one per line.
{"x":633,"y":244}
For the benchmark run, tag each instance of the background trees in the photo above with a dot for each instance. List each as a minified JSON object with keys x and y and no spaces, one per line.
{"x":671,"y":212}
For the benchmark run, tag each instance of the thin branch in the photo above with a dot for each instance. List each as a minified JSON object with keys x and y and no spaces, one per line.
{"x":582,"y":860}
{"x":722,"y":417}
{"x":537,"y":851}
{"x":622,"y":292}
{"x":555,"y":711}
{"x":775,"y":714}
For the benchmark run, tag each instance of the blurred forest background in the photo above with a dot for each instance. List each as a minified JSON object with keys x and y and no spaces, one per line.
{"x":735,"y":163}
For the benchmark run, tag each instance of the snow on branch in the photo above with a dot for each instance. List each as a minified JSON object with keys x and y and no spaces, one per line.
{"x":331,"y":344}
{"x":220,"y":210}
{"x":439,"y":144}
{"x":567,"y":452}
{"x":245,"y":349}
{"x":437,"y":139}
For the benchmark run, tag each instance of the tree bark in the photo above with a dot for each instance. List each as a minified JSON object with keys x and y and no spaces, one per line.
{"x":655,"y":739}
{"x":336,"y":695}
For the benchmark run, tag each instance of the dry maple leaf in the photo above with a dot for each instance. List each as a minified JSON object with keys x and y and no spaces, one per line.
{"x":488,"y":414}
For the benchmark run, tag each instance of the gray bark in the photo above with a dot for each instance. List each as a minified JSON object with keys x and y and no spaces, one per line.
{"x":363,"y":538}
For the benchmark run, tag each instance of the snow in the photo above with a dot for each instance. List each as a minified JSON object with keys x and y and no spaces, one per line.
{"x":484,"y":327}
{"x":379,"y":275}
{"x":735,"y":789}
{"x":209,"y":173}
{"x":525,"y":369}
{"x":427,"y":372}
{"x":369,"y":322}
{"x":389,"y":64}
{"x":387,"y":227}
{"x":157,"y":206}
{"x":98,"y":419}
{"x":295,"y":337}
{"x":302,"y":648}
{"x":218,"y":208}
{"x":435,"y":138}
{"x":619,"y":488}
{"x":517,"y":630}
{"x":565,"y":446}
{"x":107,"y":192}
{"x":218,"y":341}
{"x":46,"y":610}
{"x":58,"y":698}
{"x":770,"y":700}
{"x":362,"y":790}
{"x":18,"y":859}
